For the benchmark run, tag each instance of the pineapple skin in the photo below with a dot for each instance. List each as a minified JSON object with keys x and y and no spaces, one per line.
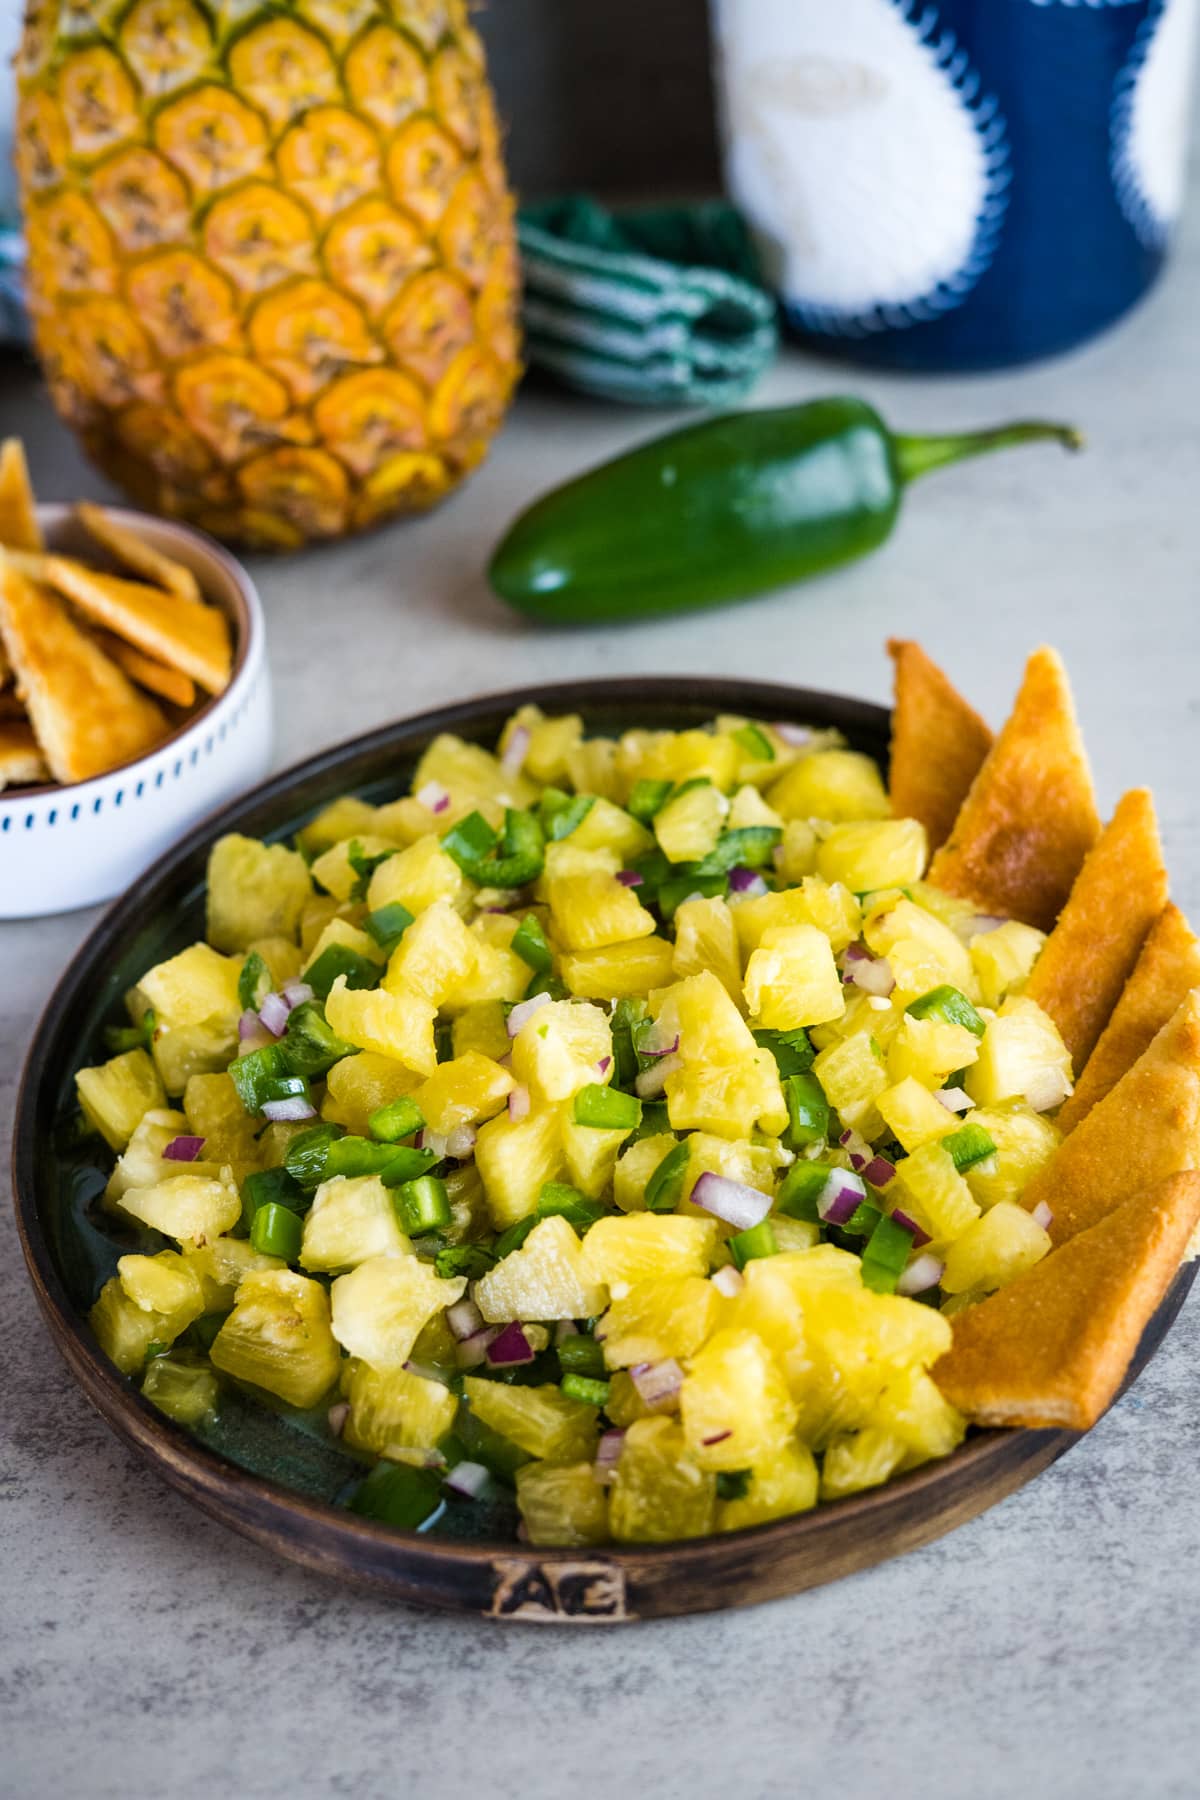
{"x":271,"y":260}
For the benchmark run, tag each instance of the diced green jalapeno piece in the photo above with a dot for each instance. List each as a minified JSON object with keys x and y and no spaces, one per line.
{"x":351,"y":1156}
{"x":364,"y":864}
{"x":808,"y":1111}
{"x":585,"y":1388}
{"x":406,"y":1164}
{"x":969,"y":1145}
{"x":664,"y":1190}
{"x":733,"y":1484}
{"x":886,"y":1253}
{"x":744,"y":1246}
{"x":387,"y":925}
{"x":627,"y":1016}
{"x":258,"y":1075}
{"x":559,"y":1200}
{"x":498,"y":1454}
{"x":310,"y":1044}
{"x":471,"y":1260}
{"x":521,"y":855}
{"x":656,"y":1120}
{"x":560,"y":813}
{"x":339,"y":959}
{"x":755,"y":742}
{"x":254,"y":983}
{"x":546,"y":984}
{"x":950,"y":1004}
{"x":271,"y":1187}
{"x":514,"y":1236}
{"x":746,"y":847}
{"x":399,"y":1495}
{"x":792,"y":1050}
{"x":673,"y":892}
{"x":802,"y":1188}
{"x":398,"y":1119}
{"x":308,"y":1155}
{"x":529,"y":942}
{"x":647,"y":798}
{"x":606,"y":1108}
{"x":470,"y":842}
{"x":863,"y":1220}
{"x":581,"y":1355}
{"x":275,"y":1231}
{"x":423,"y":1205}
{"x":206,"y":1327}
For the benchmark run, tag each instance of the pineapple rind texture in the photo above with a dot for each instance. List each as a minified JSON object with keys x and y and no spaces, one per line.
{"x":271,"y":262}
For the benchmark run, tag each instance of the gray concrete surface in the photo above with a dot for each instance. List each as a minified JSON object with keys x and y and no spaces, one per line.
{"x":1050,"y":1649}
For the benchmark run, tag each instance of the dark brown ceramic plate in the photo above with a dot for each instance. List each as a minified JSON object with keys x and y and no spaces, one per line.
{"x":276,"y":1478}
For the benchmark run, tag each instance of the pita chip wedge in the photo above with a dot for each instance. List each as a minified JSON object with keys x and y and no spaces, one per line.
{"x":87,"y":717}
{"x":133,"y":553}
{"x":1145,"y":1129}
{"x":938,"y":743}
{"x":181,"y":633}
{"x":21,"y":762}
{"x":19,"y":528}
{"x":1088,"y":957}
{"x":1051,"y":1349}
{"x":1030,"y":817}
{"x":1165,"y":972}
{"x":167,"y":683}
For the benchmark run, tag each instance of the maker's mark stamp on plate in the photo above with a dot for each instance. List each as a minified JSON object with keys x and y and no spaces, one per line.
{"x":577,"y":1593}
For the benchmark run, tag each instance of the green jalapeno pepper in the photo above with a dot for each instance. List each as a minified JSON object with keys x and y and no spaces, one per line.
{"x":726,"y":509}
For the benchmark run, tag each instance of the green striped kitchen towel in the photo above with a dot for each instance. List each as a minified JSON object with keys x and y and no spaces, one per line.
{"x":661,"y":307}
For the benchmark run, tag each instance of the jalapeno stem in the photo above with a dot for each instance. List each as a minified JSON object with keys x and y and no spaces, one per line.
{"x":918,"y":455}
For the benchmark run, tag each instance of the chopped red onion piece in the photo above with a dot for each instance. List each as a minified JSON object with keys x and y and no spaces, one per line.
{"x":604,"y":1065}
{"x":470,"y":1479}
{"x":840,"y":1198}
{"x":608,"y":1455}
{"x":857,"y":1163}
{"x":982,"y":923}
{"x":921,"y":1274}
{"x":460,"y":1142}
{"x":908,"y":1223}
{"x":274,"y":1014}
{"x":652,"y":1081}
{"x":525,"y":1011}
{"x":433,"y":796}
{"x":516,"y":750}
{"x":739,"y":1205}
{"x":519,"y":1102}
{"x":339,"y":1412}
{"x":656,"y":1049}
{"x":716,"y":1437}
{"x":464,"y":1319}
{"x":658,"y":1383}
{"x":249,"y":1026}
{"x":879,"y":1171}
{"x":872,"y":974}
{"x":797,"y":737}
{"x":1042,"y":1215}
{"x":286,"y":1111}
{"x":183,"y":1149}
{"x":630,"y":878}
{"x":954,"y":1099}
{"x":856,"y":1145}
{"x":297,"y":992}
{"x":433,"y":1141}
{"x":510,"y":1348}
{"x":845,"y":1137}
{"x":729,"y":1281}
{"x":473,"y":1350}
{"x":746,"y":881}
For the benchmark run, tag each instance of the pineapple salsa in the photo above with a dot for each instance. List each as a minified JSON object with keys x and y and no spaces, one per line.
{"x":612,"y":1121}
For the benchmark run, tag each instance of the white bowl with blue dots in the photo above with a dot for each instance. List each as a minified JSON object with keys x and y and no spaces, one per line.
{"x":63,"y":847}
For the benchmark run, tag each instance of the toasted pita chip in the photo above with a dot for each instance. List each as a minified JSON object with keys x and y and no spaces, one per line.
{"x":169,"y":684}
{"x":134,"y":553}
{"x":1145,"y":1129}
{"x":1088,"y":957}
{"x":5,"y":669}
{"x":86,"y":715}
{"x":1030,"y":817}
{"x":19,"y":528}
{"x":1164,"y":974}
{"x":180,"y":633}
{"x":938,"y":743}
{"x":21,"y":762}
{"x":1051,"y":1348}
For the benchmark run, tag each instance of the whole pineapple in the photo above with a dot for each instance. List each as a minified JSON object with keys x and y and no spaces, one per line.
{"x":272,"y":270}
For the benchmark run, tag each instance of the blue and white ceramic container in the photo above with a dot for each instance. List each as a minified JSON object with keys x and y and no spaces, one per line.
{"x":960,"y":183}
{"x":12,"y":321}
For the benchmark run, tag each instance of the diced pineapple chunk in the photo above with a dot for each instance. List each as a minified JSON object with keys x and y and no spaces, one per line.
{"x":195,"y":1207}
{"x":283,"y":958}
{"x":669,"y":1316}
{"x":359,"y":1085}
{"x":222,"y":1264}
{"x":396,"y":1023}
{"x":436,"y":953}
{"x":560,"y":1048}
{"x":833,"y":910}
{"x":542,"y":1420}
{"x":752,"y":1165}
{"x":183,"y":1387}
{"x":381,"y":1306}
{"x":731,"y":1100}
{"x":566,"y":859}
{"x":749,"y":808}
{"x":1024,"y":1142}
{"x":859,"y":1460}
{"x":463,"y":1091}
{"x":706,"y":940}
{"x":344,"y":818}
{"x":515,"y":1159}
{"x":562,"y":1504}
{"x":341,"y":935}
{"x":590,"y":1153}
{"x":1021,"y":1057}
{"x":141,"y":1163}
{"x":1003,"y":959}
{"x":417,"y":877}
{"x":278,"y":1337}
{"x":995,"y":1249}
{"x":779,"y":1485}
{"x":472,"y":776}
{"x":619,"y":1253}
{"x":688,"y":826}
{"x":481,"y":1027}
{"x":498,"y":973}
{"x":660,"y":1491}
{"x":550,"y":741}
{"x":215,"y":1112}
{"x":912,"y":1114}
{"x":124,"y":1330}
{"x":592,"y":768}
{"x":735,"y":1405}
{"x":350,"y":1219}
{"x":609,"y":827}
{"x":934,"y":1193}
{"x":619,"y":971}
{"x":624,"y":1403}
{"x":393,"y":1410}
{"x":929,"y":1049}
{"x":197,"y":987}
{"x":797,"y":855}
{"x":334,"y":869}
{"x":837,"y":785}
{"x":853,"y":1076}
{"x":635,"y":1167}
{"x":681,"y":756}
{"x":316,"y":915}
{"x":255,"y":890}
{"x":887,"y":854}
{"x":709,"y":1027}
{"x":913,"y":1408}
{"x":165,"y":1283}
{"x":792,"y":979}
{"x":923,"y":952}
{"x":591,"y":911}
{"x":115,"y":1096}
{"x":544,"y":1279}
{"x":401,"y":821}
